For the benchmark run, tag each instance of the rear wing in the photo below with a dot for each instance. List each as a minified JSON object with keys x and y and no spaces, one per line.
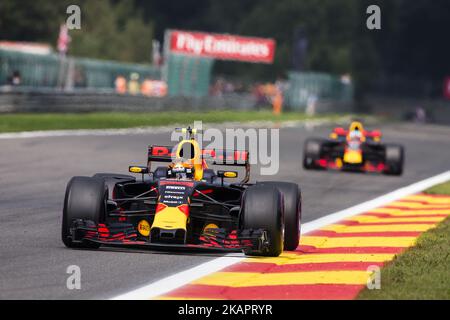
{"x":341,"y":132}
{"x":213,"y":156}
{"x":374,"y":134}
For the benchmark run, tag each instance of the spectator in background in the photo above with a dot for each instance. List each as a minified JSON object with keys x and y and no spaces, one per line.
{"x":147,"y":88}
{"x":120,"y":84}
{"x":79,"y":78}
{"x":222,"y":87}
{"x":153,"y":88}
{"x":420,"y":115}
{"x":228,"y":88}
{"x":277,"y":101}
{"x":217,"y":88}
{"x":133,"y":84}
{"x":239,"y":88}
{"x":260,"y":98}
{"x":15,"y":79}
{"x":311,"y":105}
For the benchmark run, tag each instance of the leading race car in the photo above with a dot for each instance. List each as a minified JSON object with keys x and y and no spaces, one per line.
{"x":183,"y":205}
{"x":355,"y":149}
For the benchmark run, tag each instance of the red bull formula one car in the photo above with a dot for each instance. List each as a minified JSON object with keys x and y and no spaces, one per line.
{"x":183,"y":205}
{"x":354,"y":149}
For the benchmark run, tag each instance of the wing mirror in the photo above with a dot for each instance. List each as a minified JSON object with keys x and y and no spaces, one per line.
{"x":138,"y":169}
{"x":227,"y":174}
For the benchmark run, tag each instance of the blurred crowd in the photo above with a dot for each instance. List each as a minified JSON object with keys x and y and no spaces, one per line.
{"x":133,"y":86}
{"x":264,"y":94}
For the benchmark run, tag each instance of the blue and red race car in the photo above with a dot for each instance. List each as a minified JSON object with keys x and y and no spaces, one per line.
{"x":354,"y":149}
{"x":183,"y":205}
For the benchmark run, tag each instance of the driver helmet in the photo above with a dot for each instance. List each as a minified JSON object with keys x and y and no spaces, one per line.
{"x":180,"y":170}
{"x":355,"y":134}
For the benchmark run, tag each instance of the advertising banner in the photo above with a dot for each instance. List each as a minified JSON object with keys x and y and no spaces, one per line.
{"x":222,"y":46}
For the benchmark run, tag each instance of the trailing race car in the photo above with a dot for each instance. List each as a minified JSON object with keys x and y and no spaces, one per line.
{"x":184,"y":205}
{"x":354,"y":149}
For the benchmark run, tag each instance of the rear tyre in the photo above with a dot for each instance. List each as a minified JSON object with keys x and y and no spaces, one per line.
{"x":85,"y":199}
{"x":394,"y":159}
{"x":312,"y":153}
{"x":263,"y":209}
{"x":292,"y":212}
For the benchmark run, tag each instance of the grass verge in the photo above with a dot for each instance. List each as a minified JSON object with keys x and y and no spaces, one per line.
{"x":421,"y":272}
{"x":114,"y":120}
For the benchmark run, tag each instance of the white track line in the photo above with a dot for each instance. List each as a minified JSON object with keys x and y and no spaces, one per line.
{"x":180,"y":279}
{"x":163,"y":129}
{"x":83,"y":132}
{"x":377,"y":202}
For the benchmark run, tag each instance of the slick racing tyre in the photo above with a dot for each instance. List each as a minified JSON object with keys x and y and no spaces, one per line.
{"x":85,"y":199}
{"x":263,"y":209}
{"x":312,"y":153}
{"x":394,"y":159}
{"x":292,"y":212}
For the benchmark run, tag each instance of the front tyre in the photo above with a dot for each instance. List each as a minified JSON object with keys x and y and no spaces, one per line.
{"x":394,"y":159}
{"x":263,"y":209}
{"x":292,"y":212}
{"x":85,"y":199}
{"x":311,"y":153}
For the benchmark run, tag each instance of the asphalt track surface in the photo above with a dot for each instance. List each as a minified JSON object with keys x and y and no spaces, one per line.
{"x":35,"y":171}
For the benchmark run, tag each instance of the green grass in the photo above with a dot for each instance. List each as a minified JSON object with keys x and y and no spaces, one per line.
{"x":113,"y":120}
{"x":421,"y":272}
{"x":443,"y":188}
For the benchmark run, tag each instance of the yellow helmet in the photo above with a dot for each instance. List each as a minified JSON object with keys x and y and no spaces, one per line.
{"x":356,"y":126}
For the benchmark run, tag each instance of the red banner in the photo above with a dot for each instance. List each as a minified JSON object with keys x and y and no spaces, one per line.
{"x":222,"y":46}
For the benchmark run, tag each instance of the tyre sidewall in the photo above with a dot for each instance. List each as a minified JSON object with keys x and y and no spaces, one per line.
{"x":394,"y":158}
{"x":84,"y":199}
{"x":263,"y":209}
{"x":292,"y":212}
{"x":312,"y":152}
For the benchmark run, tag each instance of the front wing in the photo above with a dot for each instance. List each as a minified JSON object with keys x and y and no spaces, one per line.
{"x":212,"y":240}
{"x":333,"y":164}
{"x":332,"y":158}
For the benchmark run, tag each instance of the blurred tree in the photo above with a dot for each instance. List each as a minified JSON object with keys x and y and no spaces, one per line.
{"x":30,"y":20}
{"x":328,"y":27}
{"x":422,"y":49}
{"x":411,"y":44}
{"x":109,"y":29}
{"x":112,"y":30}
